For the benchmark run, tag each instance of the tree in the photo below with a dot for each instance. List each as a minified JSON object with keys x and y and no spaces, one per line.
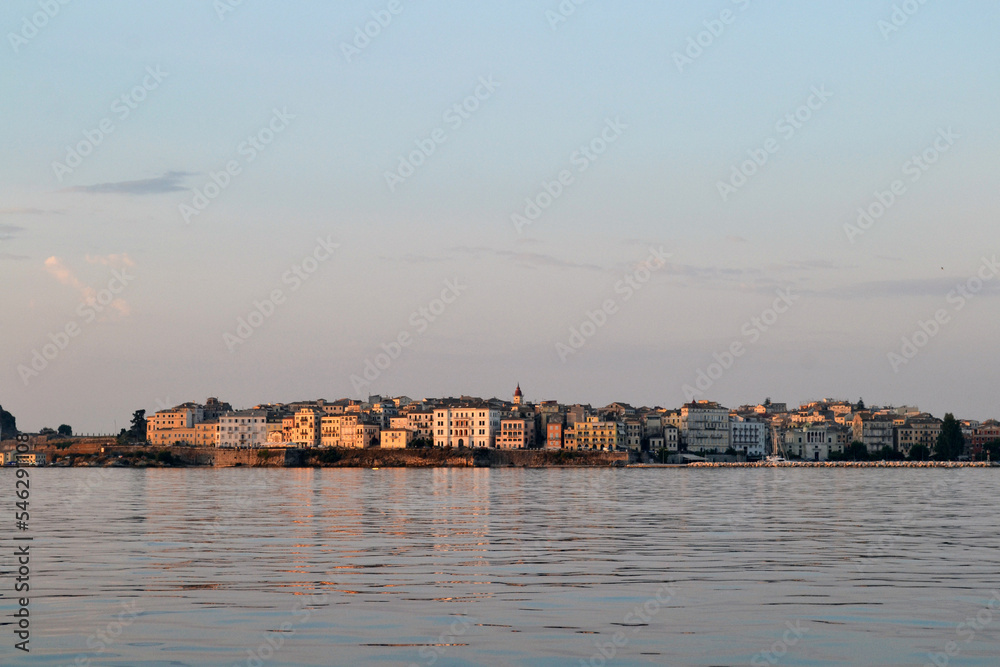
{"x":919,"y":453}
{"x":46,"y":431}
{"x":65,"y":429}
{"x":991,"y":450}
{"x":8,"y":424}
{"x":767,"y":402}
{"x":861,"y":404}
{"x":890,"y":454}
{"x":138,"y":430}
{"x":856,"y":451}
{"x":951,"y":442}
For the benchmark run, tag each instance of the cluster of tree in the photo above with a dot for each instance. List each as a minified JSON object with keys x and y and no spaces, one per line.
{"x":8,"y":424}
{"x":137,"y":432}
{"x":951,"y":441}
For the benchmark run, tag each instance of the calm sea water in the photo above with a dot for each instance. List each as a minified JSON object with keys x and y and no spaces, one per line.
{"x":509,"y":567}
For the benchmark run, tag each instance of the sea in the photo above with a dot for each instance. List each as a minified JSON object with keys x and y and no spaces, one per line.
{"x":504,"y":566}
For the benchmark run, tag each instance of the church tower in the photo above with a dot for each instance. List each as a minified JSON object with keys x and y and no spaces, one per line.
{"x":518,"y":395}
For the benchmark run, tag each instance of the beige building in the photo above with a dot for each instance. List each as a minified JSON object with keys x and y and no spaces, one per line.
{"x":514,"y":433}
{"x":597,"y":435}
{"x":395,"y":438}
{"x":919,"y":430}
{"x":308,"y":427}
{"x":471,"y":425}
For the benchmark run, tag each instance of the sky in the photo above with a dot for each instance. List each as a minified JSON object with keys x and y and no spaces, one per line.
{"x":647,"y":202}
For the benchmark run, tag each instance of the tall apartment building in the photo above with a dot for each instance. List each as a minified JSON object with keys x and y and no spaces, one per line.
{"x":748,"y":437}
{"x":704,"y":427}
{"x":597,"y":435}
{"x":469,"y":425}
{"x":874,"y":432}
{"x":920,"y":430}
{"x":243,"y":429}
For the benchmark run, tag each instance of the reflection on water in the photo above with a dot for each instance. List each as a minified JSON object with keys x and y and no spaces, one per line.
{"x":512,"y":567}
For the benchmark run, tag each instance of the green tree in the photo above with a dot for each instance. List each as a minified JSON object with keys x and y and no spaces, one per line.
{"x":856,"y":451}
{"x":138,"y":430}
{"x":890,"y":454}
{"x":8,"y":424}
{"x":861,"y":404}
{"x":991,"y":450}
{"x":65,"y":429}
{"x":919,"y":453}
{"x":951,"y":442}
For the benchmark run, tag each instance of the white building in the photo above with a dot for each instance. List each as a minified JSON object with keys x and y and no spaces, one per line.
{"x":748,"y":437}
{"x":243,"y":429}
{"x":705,"y":427}
{"x":466,"y":426}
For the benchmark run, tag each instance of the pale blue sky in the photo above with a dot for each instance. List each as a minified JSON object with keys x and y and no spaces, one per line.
{"x":323,"y":176}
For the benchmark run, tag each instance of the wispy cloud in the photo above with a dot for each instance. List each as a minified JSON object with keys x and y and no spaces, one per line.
{"x":532,"y":260}
{"x":11,"y":256}
{"x":9,"y":231}
{"x":114,"y":261}
{"x":168,"y":182}
{"x":914,"y":287}
{"x":61,"y":272}
{"x":26,"y":211}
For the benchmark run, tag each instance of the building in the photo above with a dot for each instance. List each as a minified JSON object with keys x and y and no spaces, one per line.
{"x":875,"y":432}
{"x":206,"y":434}
{"x":514,"y":433}
{"x":245,"y":429}
{"x":395,"y":438}
{"x":704,"y":427}
{"x":596,"y":435}
{"x":421,"y":422}
{"x":468,"y":425}
{"x":633,"y":433}
{"x":518,"y":396}
{"x":920,"y":430}
{"x":174,"y":426}
{"x":308,"y":429}
{"x":813,"y":442}
{"x":748,"y":437}
{"x":554,"y":435}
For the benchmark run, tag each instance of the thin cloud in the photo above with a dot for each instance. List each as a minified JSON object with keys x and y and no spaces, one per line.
{"x":168,"y":182}
{"x":9,"y":231}
{"x":114,"y":261}
{"x":26,"y":211}
{"x":531,"y":260}
{"x":11,"y":256}
{"x":61,"y":272}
